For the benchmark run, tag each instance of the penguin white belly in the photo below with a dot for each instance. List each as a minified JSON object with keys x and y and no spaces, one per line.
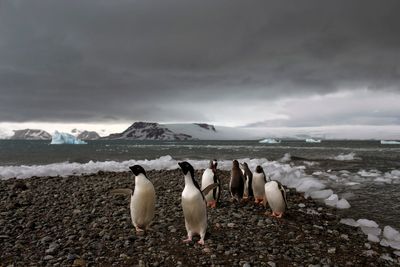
{"x":274,"y":197}
{"x":194,"y":210}
{"x":246,"y":186}
{"x":143,"y":205}
{"x":258,"y":185}
{"x":206,"y":180}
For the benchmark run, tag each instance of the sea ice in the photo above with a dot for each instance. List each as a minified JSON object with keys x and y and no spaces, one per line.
{"x":383,"y":180}
{"x":373,"y":238}
{"x":343,"y":204}
{"x":371,"y":230}
{"x":308,"y":184}
{"x":394,"y":244}
{"x":65,"y":138}
{"x":269,"y":141}
{"x":391,"y":234}
{"x":367,"y":223}
{"x":342,"y":157}
{"x":350,"y":222}
{"x":320,"y":194}
{"x":397,"y":253}
{"x":332,"y":200}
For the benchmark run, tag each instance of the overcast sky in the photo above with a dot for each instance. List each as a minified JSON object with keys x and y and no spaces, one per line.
{"x":258,"y":63}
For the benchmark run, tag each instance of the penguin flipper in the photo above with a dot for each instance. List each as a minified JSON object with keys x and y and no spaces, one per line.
{"x":283,"y":191}
{"x":122,"y":191}
{"x":209,"y":188}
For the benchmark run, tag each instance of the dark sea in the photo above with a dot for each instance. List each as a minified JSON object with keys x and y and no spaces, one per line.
{"x":365,"y":173}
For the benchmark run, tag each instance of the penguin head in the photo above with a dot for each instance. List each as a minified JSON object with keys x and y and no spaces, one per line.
{"x":244,"y":166}
{"x":186,"y":167}
{"x":213,"y":164}
{"x":259,"y":169}
{"x":235,"y":163}
{"x":137,"y":169}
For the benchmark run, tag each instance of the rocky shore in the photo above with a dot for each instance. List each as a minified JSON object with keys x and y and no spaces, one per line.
{"x":75,"y":221}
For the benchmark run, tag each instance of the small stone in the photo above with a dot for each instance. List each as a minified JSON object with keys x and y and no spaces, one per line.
{"x":231,"y":225}
{"x":331,"y":250}
{"x":301,"y":205}
{"x":71,"y":257}
{"x":76,"y":211}
{"x":271,"y":263}
{"x":79,"y":263}
{"x":123,"y":256}
{"x":246,"y":264}
{"x":48,"y":257}
{"x":367,"y":245}
{"x":207,"y":250}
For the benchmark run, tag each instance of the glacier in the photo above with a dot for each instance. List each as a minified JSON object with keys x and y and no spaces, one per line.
{"x":65,"y":138}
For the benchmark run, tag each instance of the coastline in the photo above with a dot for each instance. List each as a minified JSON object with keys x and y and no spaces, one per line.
{"x":61,"y":221}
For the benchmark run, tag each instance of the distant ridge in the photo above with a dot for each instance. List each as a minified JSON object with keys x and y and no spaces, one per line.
{"x":30,"y":134}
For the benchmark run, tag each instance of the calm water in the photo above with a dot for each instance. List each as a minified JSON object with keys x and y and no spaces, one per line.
{"x":369,"y":199}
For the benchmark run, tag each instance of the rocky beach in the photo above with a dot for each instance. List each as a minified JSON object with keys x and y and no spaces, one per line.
{"x":75,"y":221}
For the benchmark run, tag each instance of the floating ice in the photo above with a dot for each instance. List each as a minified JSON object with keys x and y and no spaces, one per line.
{"x":320,"y":194}
{"x":397,"y":253}
{"x":371,"y":230}
{"x":388,"y":142}
{"x":342,"y":157}
{"x":311,"y":140}
{"x":383,"y":180}
{"x":394,"y":244}
{"x":391,"y":234}
{"x":269,"y":141}
{"x":350,"y":222}
{"x":373,"y":238}
{"x":307,"y":184}
{"x":286,"y":158}
{"x":65,"y":138}
{"x":332,"y":200}
{"x":367,"y":223}
{"x":343,"y":204}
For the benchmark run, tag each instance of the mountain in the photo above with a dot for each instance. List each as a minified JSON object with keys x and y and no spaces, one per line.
{"x":88,"y":135}
{"x":30,"y":134}
{"x":149,"y":131}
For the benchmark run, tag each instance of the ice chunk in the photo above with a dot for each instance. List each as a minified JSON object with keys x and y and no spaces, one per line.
{"x":350,"y":222}
{"x":373,"y":238}
{"x":308,"y":184}
{"x":311,"y":140}
{"x":371,"y":230}
{"x":397,"y":253}
{"x":343,"y":204}
{"x":391,"y":234}
{"x":342,"y":157}
{"x":394,"y":244}
{"x":320,"y":194}
{"x":65,"y":138}
{"x":332,"y":200}
{"x":367,"y":223}
{"x":384,"y":243}
{"x":383,"y":180}
{"x":389,"y":142}
{"x":269,"y":141}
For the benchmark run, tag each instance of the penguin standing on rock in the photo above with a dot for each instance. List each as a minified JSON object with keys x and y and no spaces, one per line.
{"x":259,"y":180}
{"x":236,"y":183}
{"x":210,"y":177}
{"x":248,"y":181}
{"x":193,"y":204}
{"x":275,"y":195}
{"x":143,"y":199}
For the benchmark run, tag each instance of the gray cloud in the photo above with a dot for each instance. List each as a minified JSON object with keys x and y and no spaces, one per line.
{"x":99,"y":60}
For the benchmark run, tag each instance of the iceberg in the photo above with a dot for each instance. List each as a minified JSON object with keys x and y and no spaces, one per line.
{"x":65,"y":138}
{"x":311,"y":140}
{"x":387,"y":142}
{"x":270,"y":141}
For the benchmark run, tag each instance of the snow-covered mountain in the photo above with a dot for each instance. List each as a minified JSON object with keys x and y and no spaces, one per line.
{"x":88,"y":135}
{"x":31,"y":134}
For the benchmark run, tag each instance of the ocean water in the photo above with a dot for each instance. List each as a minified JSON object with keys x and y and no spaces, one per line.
{"x":365,"y":173}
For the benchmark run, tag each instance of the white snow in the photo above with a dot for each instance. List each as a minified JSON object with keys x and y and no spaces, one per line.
{"x":65,"y":138}
{"x":367,"y":223}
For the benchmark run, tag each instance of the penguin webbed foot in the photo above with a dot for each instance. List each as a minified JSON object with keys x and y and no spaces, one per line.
{"x":201,"y":242}
{"x":187,"y":240}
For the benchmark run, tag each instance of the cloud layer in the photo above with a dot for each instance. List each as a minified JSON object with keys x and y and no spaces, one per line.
{"x":228,"y":62}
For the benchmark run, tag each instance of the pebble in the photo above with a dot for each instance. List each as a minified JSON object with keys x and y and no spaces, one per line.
{"x":271,"y":264}
{"x":231,"y":225}
{"x":48,"y":257}
{"x":331,"y":250}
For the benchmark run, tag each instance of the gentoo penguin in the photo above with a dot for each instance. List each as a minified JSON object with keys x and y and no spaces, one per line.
{"x":210,"y":177}
{"x":236,"y":184}
{"x":143,"y":199}
{"x":259,"y":180}
{"x":248,"y":181}
{"x":275,"y":195}
{"x":193,"y":204}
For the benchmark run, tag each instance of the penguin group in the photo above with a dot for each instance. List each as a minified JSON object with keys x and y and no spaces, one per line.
{"x":244,"y":185}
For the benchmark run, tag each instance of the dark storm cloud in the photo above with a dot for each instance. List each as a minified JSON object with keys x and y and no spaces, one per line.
{"x":100,"y":60}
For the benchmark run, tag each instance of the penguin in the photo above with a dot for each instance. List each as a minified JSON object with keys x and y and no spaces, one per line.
{"x":143,"y":199}
{"x":248,"y":181}
{"x":275,"y":195}
{"x":258,"y":184}
{"x":210,"y":177}
{"x":193,"y":204}
{"x":236,"y":183}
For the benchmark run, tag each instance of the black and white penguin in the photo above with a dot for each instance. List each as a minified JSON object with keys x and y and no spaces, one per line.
{"x":258,"y":185}
{"x":248,"y":181}
{"x":275,"y":195}
{"x":236,"y":183}
{"x":210,"y":177}
{"x":193,"y":204}
{"x":143,"y":199}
